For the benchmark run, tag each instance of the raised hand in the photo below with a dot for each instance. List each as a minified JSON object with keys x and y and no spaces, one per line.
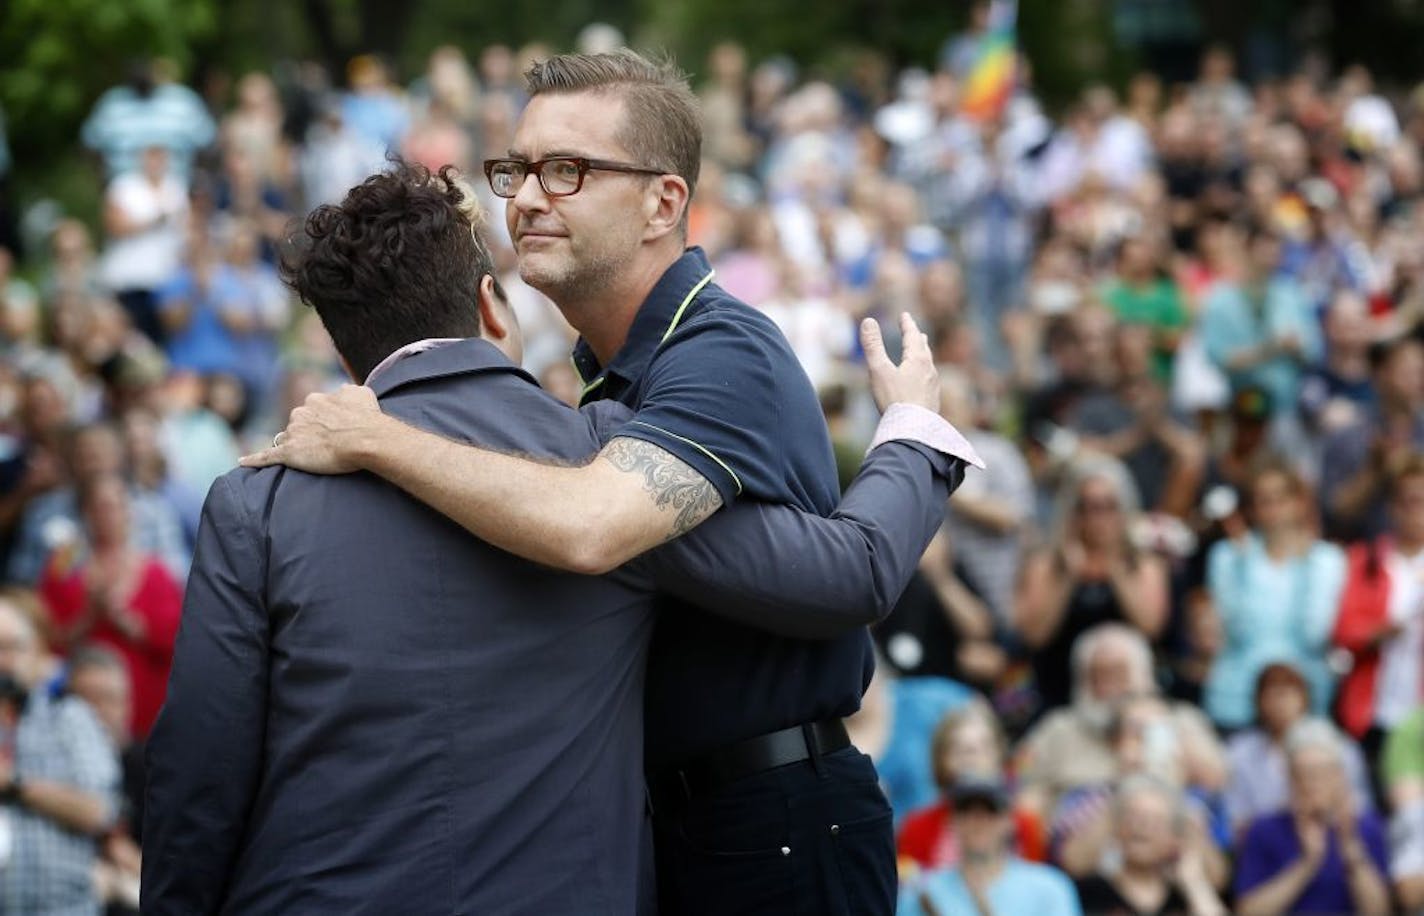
{"x":915,"y":380}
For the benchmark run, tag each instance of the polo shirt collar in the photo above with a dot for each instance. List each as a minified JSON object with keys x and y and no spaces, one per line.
{"x":660,"y":314}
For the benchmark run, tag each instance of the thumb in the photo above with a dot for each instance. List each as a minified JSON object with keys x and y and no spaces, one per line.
{"x":873,"y":343}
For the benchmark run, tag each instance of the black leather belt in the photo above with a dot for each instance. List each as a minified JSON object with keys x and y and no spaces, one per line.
{"x":764,"y":752}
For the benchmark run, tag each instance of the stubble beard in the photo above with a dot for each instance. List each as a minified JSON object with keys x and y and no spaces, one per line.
{"x":569,"y":283}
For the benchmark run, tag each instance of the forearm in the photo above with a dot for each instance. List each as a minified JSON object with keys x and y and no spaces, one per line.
{"x":966,"y":613}
{"x":793,"y":573}
{"x":533,"y":510}
{"x":1202,"y":899}
{"x":1184,"y":476}
{"x":1278,"y":894}
{"x":78,"y":810}
{"x":1216,"y":865}
{"x":987,"y":513}
{"x":1041,"y":612}
{"x":1411,"y":892}
{"x":1081,"y":853}
{"x":1368,"y":889}
{"x":1141,"y":604}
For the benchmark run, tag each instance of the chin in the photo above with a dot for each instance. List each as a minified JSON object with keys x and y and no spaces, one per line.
{"x":539,"y":273}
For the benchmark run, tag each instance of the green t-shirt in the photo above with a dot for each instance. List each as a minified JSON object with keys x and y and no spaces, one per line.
{"x":1404,"y":750}
{"x":1157,"y":305}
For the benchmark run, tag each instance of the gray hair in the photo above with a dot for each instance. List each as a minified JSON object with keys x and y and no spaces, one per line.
{"x":1120,"y":634}
{"x":1315,"y":733}
{"x":1147,"y":784}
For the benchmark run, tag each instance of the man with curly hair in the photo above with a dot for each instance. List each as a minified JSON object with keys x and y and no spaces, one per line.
{"x":743,"y":726}
{"x":371,"y":710}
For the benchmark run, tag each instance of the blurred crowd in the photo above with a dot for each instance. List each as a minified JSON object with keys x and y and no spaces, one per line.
{"x":1166,"y":653}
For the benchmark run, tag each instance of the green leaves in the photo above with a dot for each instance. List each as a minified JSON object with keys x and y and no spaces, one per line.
{"x":59,"y":55}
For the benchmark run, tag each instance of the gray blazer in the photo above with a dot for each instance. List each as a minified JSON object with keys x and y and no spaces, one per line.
{"x":371,"y":711}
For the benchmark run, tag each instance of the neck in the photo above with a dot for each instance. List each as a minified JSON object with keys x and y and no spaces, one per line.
{"x":981,"y":867}
{"x":1140,"y":873}
{"x":1281,"y":542}
{"x":604,"y":316}
{"x":110,"y":549}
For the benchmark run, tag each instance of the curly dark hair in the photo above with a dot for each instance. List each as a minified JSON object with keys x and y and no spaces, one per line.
{"x":398,"y":260}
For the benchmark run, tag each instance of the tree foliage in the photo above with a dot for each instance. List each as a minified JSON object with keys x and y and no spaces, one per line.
{"x":60,"y":54}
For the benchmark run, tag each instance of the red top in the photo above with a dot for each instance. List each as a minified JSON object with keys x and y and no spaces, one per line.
{"x":1364,"y":609}
{"x":926,"y":837}
{"x":158,"y":599}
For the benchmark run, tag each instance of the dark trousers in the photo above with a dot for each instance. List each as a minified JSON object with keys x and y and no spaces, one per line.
{"x":812,"y":838}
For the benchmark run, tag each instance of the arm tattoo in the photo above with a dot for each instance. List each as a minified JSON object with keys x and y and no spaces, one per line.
{"x":673,"y":484}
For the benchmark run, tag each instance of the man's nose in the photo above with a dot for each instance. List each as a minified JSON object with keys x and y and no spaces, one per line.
{"x":531,"y":196}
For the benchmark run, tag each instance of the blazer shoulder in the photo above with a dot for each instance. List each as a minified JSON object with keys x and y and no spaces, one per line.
{"x":242,"y":496}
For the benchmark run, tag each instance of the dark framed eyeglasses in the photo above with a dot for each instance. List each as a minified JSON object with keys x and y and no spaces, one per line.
{"x":559,"y":176}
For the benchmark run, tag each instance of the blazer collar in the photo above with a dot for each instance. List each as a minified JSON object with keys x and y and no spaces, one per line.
{"x":465,"y":357}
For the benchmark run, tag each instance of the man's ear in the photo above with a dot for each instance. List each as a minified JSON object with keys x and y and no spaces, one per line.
{"x":494,"y":312}
{"x":670,"y":201}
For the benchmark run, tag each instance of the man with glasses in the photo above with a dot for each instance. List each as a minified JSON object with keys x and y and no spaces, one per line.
{"x":760,"y":803}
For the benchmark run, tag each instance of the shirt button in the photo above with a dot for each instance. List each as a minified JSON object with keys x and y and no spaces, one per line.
{"x":835,"y":829}
{"x":786,"y":850}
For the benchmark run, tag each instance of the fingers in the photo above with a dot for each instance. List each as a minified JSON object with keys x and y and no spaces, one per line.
{"x":915,"y":342}
{"x":873,"y":344}
{"x":263,"y":459}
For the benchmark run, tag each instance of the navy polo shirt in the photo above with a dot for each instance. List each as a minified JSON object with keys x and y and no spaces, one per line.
{"x":714,"y":382}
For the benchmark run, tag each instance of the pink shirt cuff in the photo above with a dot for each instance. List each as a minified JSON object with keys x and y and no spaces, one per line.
{"x":913,"y":423}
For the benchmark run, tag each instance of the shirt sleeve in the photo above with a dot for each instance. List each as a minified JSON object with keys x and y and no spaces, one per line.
{"x":715,"y":396}
{"x":1256,"y":861}
{"x":205,"y":753}
{"x":91,"y":754}
{"x":781,"y":569}
{"x":1404,"y":750}
{"x":1224,"y":563}
{"x":1376,"y":842}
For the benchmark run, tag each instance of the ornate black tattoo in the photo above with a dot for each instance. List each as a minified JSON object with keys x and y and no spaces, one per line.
{"x":673,"y":484}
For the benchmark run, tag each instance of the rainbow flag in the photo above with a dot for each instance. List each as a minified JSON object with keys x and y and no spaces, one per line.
{"x":991,"y":80}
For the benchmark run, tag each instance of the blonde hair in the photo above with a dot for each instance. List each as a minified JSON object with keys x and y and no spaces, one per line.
{"x":1095,"y":467}
{"x":975,"y":708}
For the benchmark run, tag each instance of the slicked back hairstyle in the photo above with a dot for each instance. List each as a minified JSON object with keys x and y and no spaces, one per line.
{"x":662,"y":124}
{"x":400,"y":259}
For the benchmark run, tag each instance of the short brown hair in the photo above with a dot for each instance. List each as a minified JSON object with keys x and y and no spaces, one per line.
{"x":663,"y":126}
